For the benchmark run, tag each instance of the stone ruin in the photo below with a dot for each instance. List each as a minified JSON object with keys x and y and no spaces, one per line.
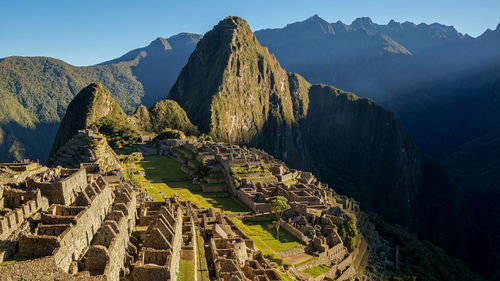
{"x":67,"y":224}
{"x":252,"y":177}
{"x":86,"y":223}
{"x":232,"y":254}
{"x":87,"y":146}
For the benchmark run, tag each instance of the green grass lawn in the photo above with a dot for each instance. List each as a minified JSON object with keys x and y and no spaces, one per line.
{"x":163,"y":167}
{"x":264,"y":236}
{"x":316,"y":271}
{"x":158,"y":167}
{"x":127,"y":149}
{"x":202,"y":262}
{"x":186,"y":269}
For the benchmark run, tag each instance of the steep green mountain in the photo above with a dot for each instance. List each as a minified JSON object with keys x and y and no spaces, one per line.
{"x":234,"y":90}
{"x":227,"y":63}
{"x":93,"y":107}
{"x":36,"y":91}
{"x":163,"y":114}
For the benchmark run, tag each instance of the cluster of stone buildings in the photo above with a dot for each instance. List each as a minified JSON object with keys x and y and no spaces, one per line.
{"x":66,"y":224}
{"x":231,"y":253}
{"x":82,"y":224}
{"x":252,"y":177}
{"x":86,"y":223}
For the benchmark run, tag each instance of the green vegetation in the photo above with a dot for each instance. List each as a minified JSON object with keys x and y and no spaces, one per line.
{"x":249,"y":170}
{"x":230,"y":67}
{"x":118,"y":130}
{"x":278,"y":204}
{"x":264,"y":236}
{"x":165,"y":114}
{"x":93,"y":107}
{"x":202,"y":262}
{"x":158,"y":168}
{"x":421,"y":260}
{"x":285,"y":277}
{"x":316,"y":271}
{"x":186,"y":266}
{"x":35,"y":92}
{"x":168,"y":133}
{"x":348,"y":233}
{"x":307,"y":261}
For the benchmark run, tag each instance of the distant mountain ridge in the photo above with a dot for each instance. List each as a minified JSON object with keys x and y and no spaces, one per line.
{"x":152,"y":70}
{"x":157,"y":65}
{"x":36,"y":91}
{"x":446,"y":93}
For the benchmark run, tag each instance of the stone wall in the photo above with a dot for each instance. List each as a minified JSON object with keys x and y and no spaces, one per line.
{"x":176,"y":245}
{"x":20,"y":167}
{"x":68,"y":245}
{"x":295,"y":232}
{"x":292,"y":252}
{"x":248,"y":201}
{"x":37,"y":269}
{"x":106,"y":256}
{"x":62,"y":192}
{"x":12,"y":220}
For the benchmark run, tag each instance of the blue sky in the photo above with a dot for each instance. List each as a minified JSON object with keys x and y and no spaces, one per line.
{"x":88,"y":32}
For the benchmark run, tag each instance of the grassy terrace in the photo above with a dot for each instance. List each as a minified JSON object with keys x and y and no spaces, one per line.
{"x":264,"y":236}
{"x":163,"y":167}
{"x":202,"y":262}
{"x":316,"y":271}
{"x":186,"y":266}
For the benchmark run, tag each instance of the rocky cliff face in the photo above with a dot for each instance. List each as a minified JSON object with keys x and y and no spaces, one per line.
{"x":233,"y":89}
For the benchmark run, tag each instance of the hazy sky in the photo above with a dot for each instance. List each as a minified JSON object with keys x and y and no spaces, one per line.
{"x":88,"y":32}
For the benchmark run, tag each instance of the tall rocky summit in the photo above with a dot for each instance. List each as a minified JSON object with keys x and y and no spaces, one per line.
{"x":233,"y":89}
{"x":227,"y":65}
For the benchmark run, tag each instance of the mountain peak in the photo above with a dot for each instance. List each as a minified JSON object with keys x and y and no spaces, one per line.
{"x":362,"y":23}
{"x":232,"y":23}
{"x":160,"y":44}
{"x":227,"y":67}
{"x":89,"y":105}
{"x":184,"y":39}
{"x":315,"y":17}
{"x":393,"y":23}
